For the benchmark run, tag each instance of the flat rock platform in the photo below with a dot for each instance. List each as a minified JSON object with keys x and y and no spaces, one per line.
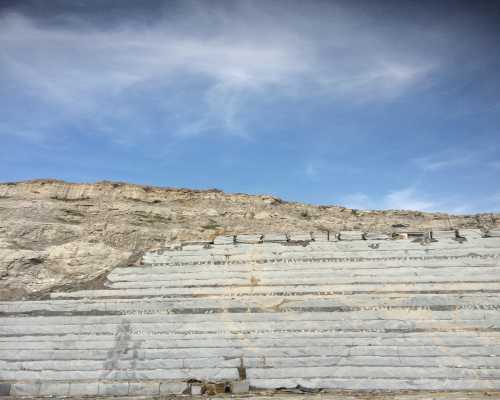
{"x":356,"y":313}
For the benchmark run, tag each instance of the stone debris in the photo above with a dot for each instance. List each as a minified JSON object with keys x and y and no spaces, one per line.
{"x":202,"y":318}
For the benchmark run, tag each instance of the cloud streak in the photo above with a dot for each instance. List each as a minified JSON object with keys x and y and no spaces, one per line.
{"x":194,"y":82}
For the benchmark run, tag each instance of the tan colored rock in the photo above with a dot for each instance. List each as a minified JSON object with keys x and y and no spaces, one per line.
{"x":54,"y":233}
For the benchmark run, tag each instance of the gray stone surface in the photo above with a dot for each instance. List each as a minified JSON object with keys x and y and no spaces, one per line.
{"x":144,"y":389}
{"x":351,"y":235}
{"x":250,"y":239}
{"x":54,"y":389}
{"x":173,"y":388}
{"x":84,"y":389}
{"x":196,"y":389}
{"x":439,"y":235}
{"x":493,"y":233}
{"x":275,"y":237}
{"x":113,"y":389}
{"x":470,"y":233}
{"x":323,"y":236}
{"x":4,"y":389}
{"x":326,"y":314}
{"x":224,"y":240}
{"x":376,"y":236}
{"x":240,"y":387}
{"x":25,"y":389}
{"x":300,"y":236}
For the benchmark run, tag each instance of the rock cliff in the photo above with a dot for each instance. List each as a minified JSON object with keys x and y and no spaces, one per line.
{"x":55,"y":234}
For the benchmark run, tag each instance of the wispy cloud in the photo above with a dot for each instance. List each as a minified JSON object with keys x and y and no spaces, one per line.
{"x":193,"y":82}
{"x":408,"y":199}
{"x":445,"y":160}
{"x":360,"y":201}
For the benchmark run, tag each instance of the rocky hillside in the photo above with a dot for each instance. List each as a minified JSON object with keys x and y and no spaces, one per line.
{"x":55,"y":234}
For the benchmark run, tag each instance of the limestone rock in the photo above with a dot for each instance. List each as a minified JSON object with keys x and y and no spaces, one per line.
{"x":54,"y":233}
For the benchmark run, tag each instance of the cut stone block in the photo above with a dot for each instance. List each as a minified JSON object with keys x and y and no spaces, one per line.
{"x":300,"y":236}
{"x":493,"y":233}
{"x":144,"y":389}
{"x":173,"y":387}
{"x":84,"y":389}
{"x":229,"y":239}
{"x":470,"y":233}
{"x":250,"y":239}
{"x":417,"y":234}
{"x":275,"y":237}
{"x":376,"y":236}
{"x":197,"y":246}
{"x":113,"y":389}
{"x":25,"y":389}
{"x":452,"y":234}
{"x":54,"y":389}
{"x":240,"y":387}
{"x":196,"y":390}
{"x":351,"y":235}
{"x":4,"y":389}
{"x":322,"y":236}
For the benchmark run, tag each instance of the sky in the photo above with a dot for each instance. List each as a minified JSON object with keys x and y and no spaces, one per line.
{"x":365,"y":104}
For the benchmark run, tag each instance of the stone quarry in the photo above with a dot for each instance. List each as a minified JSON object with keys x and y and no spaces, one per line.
{"x":282,"y":312}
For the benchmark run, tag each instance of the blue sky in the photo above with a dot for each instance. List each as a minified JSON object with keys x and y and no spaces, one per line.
{"x":366,"y":104}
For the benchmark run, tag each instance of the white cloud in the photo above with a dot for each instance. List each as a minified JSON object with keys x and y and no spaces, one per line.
{"x":408,"y":199}
{"x":101,"y":74}
{"x":445,"y":160}
{"x":403,"y":199}
{"x":360,"y":201}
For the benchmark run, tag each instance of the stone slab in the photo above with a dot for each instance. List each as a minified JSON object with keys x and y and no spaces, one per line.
{"x":84,"y":389}
{"x":440,"y":235}
{"x":196,"y":390}
{"x":323,"y":236}
{"x":376,"y":236}
{"x":54,"y":389}
{"x":224,"y":240}
{"x":300,"y":236}
{"x":25,"y":389}
{"x":113,"y":389}
{"x":240,"y":387}
{"x":4,"y":389}
{"x":144,"y":388}
{"x":378,"y":384}
{"x":249,"y":239}
{"x":470,"y":233}
{"x":173,"y":388}
{"x":275,"y":237}
{"x":493,"y":233}
{"x":351,"y":235}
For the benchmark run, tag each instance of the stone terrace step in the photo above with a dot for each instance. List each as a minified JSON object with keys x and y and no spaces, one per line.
{"x":359,"y":313}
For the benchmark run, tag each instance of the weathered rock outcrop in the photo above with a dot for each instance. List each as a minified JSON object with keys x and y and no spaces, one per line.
{"x":55,"y":234}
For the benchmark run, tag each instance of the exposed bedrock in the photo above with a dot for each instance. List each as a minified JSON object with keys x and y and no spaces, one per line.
{"x":55,"y":234}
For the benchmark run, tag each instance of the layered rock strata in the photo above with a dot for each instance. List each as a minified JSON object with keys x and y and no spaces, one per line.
{"x":350,"y":311}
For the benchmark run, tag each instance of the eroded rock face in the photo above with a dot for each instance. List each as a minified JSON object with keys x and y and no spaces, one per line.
{"x":54,"y":233}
